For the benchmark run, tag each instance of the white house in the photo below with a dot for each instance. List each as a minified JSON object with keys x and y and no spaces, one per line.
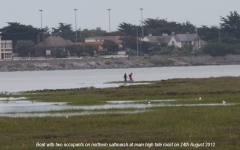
{"x":6,"y":49}
{"x":165,"y":38}
{"x":186,"y":39}
{"x":178,"y":40}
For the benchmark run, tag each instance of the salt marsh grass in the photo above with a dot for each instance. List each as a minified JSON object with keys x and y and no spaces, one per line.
{"x":198,"y":124}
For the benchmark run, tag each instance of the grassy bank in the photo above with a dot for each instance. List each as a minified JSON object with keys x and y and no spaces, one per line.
{"x":218,"y":125}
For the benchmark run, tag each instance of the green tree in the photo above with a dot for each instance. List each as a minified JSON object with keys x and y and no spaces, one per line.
{"x":110,"y":46}
{"x":231,"y":24}
{"x":75,"y":50}
{"x":129,"y":42}
{"x":42,"y":50}
{"x":208,"y":33}
{"x":23,"y":48}
{"x":127,"y":29}
{"x":156,"y":27}
{"x":229,"y":40}
{"x":93,"y":32}
{"x":89,"y":48}
{"x":60,"y":53}
{"x":188,"y":27}
{"x":65,"y":31}
{"x":218,"y":49}
{"x":17,"y":31}
{"x":85,"y":34}
{"x":164,"y":45}
{"x":100,"y":32}
{"x":146,"y":46}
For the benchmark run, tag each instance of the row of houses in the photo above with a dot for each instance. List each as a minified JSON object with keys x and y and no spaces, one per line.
{"x":55,"y":41}
{"x":178,"y":40}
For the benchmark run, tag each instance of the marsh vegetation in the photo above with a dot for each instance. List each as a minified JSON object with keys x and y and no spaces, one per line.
{"x":197,"y":124}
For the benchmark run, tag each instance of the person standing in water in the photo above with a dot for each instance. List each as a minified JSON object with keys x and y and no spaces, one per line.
{"x":130,"y":76}
{"x":125,"y":77}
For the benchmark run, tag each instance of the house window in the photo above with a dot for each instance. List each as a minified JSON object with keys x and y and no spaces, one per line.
{"x":8,"y":45}
{"x":173,"y":42}
{"x":7,"y":55}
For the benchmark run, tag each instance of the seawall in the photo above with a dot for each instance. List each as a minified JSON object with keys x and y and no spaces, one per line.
{"x":108,"y":63}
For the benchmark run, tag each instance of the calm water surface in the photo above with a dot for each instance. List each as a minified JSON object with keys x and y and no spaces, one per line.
{"x":62,"y":79}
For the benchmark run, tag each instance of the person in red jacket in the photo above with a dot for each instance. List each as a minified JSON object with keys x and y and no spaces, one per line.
{"x":130,"y":76}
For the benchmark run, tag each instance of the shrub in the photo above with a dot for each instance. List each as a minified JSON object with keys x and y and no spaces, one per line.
{"x":108,"y":63}
{"x":14,"y":66}
{"x":109,"y":53}
{"x":62,"y":65}
{"x":60,"y":53}
{"x":118,"y":62}
{"x":219,"y":49}
{"x":23,"y":48}
{"x":161,"y":62}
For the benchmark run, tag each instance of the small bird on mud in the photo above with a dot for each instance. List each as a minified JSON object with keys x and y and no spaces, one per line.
{"x":200,"y":98}
{"x":148,"y":101}
{"x":66,"y":116}
{"x":224,"y":102}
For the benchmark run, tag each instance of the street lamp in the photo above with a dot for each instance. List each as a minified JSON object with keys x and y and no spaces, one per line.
{"x":198,"y":39}
{"x":137,"y":41}
{"x":142,"y":21}
{"x":75,"y":22}
{"x":55,"y":39}
{"x":41,"y":17}
{"x":142,"y":28}
{"x":109,"y":20}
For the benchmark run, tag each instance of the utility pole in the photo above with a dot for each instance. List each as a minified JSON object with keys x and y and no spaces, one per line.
{"x":75,"y":22}
{"x":142,"y":21}
{"x":142,"y":29}
{"x":219,"y":38}
{"x":137,"y":41}
{"x":109,"y":20}
{"x":41,"y":17}
{"x":198,"y":39}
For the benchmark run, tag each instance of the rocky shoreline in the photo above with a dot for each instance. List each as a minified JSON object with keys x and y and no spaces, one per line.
{"x":109,"y":63}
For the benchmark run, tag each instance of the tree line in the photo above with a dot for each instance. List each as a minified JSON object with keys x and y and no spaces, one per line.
{"x":227,"y":34}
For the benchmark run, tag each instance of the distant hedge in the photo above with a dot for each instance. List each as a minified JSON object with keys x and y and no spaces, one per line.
{"x":218,"y":49}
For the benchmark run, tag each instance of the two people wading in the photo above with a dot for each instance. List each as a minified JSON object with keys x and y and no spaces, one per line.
{"x":125,"y":77}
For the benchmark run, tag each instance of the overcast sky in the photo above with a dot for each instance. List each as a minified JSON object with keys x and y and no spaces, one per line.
{"x":94,"y":13}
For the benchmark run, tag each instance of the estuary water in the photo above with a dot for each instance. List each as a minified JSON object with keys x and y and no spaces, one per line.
{"x":64,"y":79}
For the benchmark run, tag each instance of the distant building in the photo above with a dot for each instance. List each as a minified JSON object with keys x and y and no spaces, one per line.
{"x":115,"y":39}
{"x":100,"y":40}
{"x":98,"y":44}
{"x":54,"y":41}
{"x":6,"y":49}
{"x":178,"y":40}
